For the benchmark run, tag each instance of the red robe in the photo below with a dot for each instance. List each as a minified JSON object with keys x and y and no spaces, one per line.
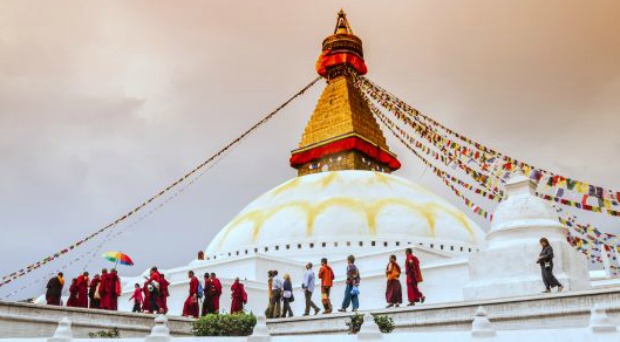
{"x":73,"y":292}
{"x":146,"y":304}
{"x":216,"y":292}
{"x":414,"y":276}
{"x":109,"y":296}
{"x":94,"y":302}
{"x":163,"y":295}
{"x":190,"y":308}
{"x":82,"y":298}
{"x":54,"y":290}
{"x":239,"y":297}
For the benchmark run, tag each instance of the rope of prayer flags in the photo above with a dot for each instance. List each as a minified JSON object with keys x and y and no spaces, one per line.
{"x":487,"y":156}
{"x":29,"y":268}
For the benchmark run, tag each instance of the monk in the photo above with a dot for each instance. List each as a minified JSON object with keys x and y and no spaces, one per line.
{"x":146,"y":303}
{"x":54,"y":289}
{"x":326,"y":274}
{"x":93,"y":293}
{"x":190,"y":308}
{"x":82,"y":285}
{"x":216,"y":292}
{"x":154,"y":283}
{"x":239,"y":297}
{"x":414,"y":277}
{"x":207,"y":304}
{"x":164,"y":293}
{"x":394,"y":292}
{"x":103,"y":301}
{"x":73,"y":293}
{"x":110,"y":285}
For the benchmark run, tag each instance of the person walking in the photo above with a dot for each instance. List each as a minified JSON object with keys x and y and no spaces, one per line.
{"x":308,"y":287}
{"x":238,"y":297}
{"x":82,"y":286}
{"x":216,"y":292}
{"x":269,"y":310}
{"x":137,"y":297}
{"x":414,"y":277}
{"x":73,"y":293}
{"x":287,"y":296}
{"x":393,"y":292}
{"x":545,"y":259}
{"x":276,"y":295}
{"x":190,"y":307}
{"x":146,"y":303}
{"x":326,"y":274}
{"x":54,"y":290}
{"x":164,"y":293}
{"x":351,"y":292}
{"x":93,"y":292}
{"x":207,"y":303}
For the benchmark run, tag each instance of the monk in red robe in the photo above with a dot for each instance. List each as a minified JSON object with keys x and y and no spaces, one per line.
{"x":414,"y":277}
{"x":104,"y":303}
{"x":115,"y":290}
{"x":146,"y":304}
{"x":393,"y":292}
{"x":190,"y":308}
{"x":110,"y":289}
{"x":54,"y":289}
{"x":239,"y":297}
{"x":93,"y":293}
{"x":216,"y":292}
{"x":82,"y":285}
{"x":73,"y":293}
{"x":154,"y":287}
{"x":163,"y":294}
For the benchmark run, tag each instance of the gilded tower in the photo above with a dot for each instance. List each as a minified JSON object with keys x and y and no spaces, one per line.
{"x":342,"y":133}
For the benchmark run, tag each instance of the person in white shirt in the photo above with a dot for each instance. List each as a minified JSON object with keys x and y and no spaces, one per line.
{"x":308,"y":287}
{"x":276,"y":294}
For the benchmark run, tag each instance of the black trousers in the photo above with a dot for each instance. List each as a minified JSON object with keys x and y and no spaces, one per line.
{"x":309,"y":302}
{"x":548,"y":277}
{"x":286,"y":308}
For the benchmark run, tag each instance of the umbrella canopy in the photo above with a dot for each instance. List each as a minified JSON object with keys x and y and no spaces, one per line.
{"x":118,"y":258}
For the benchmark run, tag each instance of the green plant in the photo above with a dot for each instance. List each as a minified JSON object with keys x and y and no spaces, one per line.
{"x":385,"y":323}
{"x":112,"y":333}
{"x":239,"y":324}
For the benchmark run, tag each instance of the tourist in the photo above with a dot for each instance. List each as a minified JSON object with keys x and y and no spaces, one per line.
{"x":73,"y":293}
{"x":137,"y":298}
{"x":269,"y":310}
{"x":239,"y":297}
{"x":207,"y":304}
{"x":82,"y":286}
{"x":393,"y":293}
{"x":287,"y":296}
{"x":326,"y":274}
{"x":351,"y":292}
{"x":190,"y":308}
{"x":308,"y":287}
{"x":93,"y":292}
{"x":146,"y":303}
{"x":276,"y":295}
{"x":545,"y":259}
{"x":153,"y":287}
{"x":103,"y":303}
{"x":54,"y":290}
{"x":414,"y":277}
{"x":164,"y":293}
{"x":216,"y":292}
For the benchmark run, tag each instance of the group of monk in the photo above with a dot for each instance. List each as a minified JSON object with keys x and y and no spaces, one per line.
{"x":101,"y":292}
{"x":208,"y":293}
{"x":393,"y":293}
{"x":152,"y":296}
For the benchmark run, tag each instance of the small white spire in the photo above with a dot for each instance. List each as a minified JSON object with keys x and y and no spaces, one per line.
{"x":160,"y":331}
{"x":260,"y":332}
{"x":63,"y":332}
{"x":481,"y":326}
{"x":599,"y":321}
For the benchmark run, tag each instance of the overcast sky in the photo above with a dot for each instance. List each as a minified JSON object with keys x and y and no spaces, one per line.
{"x":102,"y":103}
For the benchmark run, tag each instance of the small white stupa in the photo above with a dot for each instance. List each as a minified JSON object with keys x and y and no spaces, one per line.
{"x":508,"y":266}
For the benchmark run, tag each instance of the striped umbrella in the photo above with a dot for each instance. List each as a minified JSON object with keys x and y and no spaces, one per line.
{"x":118,"y":258}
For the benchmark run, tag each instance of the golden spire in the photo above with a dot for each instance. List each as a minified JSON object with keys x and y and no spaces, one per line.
{"x":342,"y":133}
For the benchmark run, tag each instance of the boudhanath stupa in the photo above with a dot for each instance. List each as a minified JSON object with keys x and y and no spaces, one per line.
{"x":346,"y":200}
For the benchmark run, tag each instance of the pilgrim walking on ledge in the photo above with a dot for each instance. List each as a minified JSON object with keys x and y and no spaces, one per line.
{"x":545,"y":259}
{"x":414,"y":277}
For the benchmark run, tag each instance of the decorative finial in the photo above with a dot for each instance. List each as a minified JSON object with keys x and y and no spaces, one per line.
{"x":599,"y":321}
{"x":481,"y":326}
{"x":160,"y":331}
{"x":260,"y":332}
{"x":63,"y":332}
{"x":342,"y":24}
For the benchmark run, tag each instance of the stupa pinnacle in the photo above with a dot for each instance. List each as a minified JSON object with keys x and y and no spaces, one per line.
{"x":342,"y":133}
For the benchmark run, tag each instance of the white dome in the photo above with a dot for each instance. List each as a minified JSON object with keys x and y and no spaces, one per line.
{"x":349,"y":207}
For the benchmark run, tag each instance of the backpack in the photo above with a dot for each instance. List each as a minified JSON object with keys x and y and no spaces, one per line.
{"x":200,"y":290}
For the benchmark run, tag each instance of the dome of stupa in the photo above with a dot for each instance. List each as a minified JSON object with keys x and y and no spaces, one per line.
{"x":345,"y":211}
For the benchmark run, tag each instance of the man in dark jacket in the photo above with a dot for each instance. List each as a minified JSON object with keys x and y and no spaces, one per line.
{"x":54,"y":289}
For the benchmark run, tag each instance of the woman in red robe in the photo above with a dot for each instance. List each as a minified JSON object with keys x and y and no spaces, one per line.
{"x":239,"y":297}
{"x":414,"y":277}
{"x":93,"y":293}
{"x":73,"y":293}
{"x":82,"y":285}
{"x":216,"y":292}
{"x":190,"y":308}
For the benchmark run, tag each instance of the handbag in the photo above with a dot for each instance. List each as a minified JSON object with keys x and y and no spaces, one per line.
{"x":287,"y":294}
{"x":355,"y":290}
{"x":97,"y":295}
{"x":292,"y":299}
